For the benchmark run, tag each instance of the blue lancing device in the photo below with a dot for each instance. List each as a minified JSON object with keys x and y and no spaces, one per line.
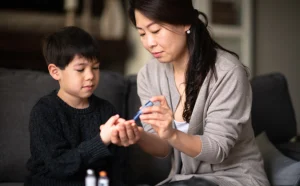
{"x":148,"y":104}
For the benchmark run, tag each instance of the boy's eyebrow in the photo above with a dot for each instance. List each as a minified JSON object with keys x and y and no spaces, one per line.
{"x":81,"y":64}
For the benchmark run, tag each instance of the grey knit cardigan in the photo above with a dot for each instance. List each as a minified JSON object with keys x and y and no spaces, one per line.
{"x":221,"y":118}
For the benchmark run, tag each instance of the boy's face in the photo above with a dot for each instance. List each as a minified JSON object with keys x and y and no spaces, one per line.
{"x":79,"y":79}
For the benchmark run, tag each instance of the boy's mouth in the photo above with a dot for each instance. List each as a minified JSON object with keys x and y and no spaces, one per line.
{"x":89,"y":87}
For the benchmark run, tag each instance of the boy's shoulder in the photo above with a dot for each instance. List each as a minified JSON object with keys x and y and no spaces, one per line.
{"x":46,"y":101}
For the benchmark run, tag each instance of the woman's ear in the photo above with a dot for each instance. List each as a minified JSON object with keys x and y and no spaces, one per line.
{"x":54,"y":71}
{"x":187,"y":27}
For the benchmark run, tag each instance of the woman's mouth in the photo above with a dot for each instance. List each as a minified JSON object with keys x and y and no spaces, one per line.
{"x":157,"y":54}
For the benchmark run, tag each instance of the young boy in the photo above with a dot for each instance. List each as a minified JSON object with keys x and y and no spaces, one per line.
{"x":65,"y":135}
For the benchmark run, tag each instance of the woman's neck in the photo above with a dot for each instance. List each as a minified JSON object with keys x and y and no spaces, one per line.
{"x":180,"y":65}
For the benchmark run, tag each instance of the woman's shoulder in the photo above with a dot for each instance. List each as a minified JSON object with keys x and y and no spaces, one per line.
{"x":227,"y":63}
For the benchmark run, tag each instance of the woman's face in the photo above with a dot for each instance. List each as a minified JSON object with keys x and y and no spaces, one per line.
{"x":167,"y":43}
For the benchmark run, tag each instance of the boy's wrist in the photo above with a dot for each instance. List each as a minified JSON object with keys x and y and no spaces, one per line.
{"x":104,"y":140}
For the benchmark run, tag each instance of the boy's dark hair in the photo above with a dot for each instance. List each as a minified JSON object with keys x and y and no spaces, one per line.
{"x":62,"y":46}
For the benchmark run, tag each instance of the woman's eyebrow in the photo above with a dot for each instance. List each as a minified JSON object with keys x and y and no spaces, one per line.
{"x":147,"y":25}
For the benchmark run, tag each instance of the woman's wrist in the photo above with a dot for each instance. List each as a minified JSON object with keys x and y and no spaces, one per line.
{"x":173,"y":137}
{"x":142,"y":136}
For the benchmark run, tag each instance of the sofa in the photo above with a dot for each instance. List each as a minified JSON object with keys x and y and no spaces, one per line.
{"x":21,"y":88}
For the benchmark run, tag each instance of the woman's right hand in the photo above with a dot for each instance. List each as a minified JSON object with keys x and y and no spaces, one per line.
{"x":159,"y":117}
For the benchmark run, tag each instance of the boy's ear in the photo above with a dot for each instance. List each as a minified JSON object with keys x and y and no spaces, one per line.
{"x":54,"y":71}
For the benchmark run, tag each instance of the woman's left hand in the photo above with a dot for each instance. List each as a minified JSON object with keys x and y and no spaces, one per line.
{"x":159,"y":117}
{"x":126,"y":133}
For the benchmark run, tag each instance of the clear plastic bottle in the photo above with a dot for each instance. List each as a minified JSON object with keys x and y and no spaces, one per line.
{"x":103,"y":179}
{"x":90,"y":178}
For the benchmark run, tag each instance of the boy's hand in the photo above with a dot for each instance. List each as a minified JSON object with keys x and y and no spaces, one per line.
{"x":106,"y":129}
{"x":126,"y":133}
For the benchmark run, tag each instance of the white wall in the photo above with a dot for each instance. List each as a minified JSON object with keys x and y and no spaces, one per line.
{"x":139,"y":55}
{"x":277,"y":43}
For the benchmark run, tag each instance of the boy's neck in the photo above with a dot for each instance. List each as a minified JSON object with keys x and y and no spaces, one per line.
{"x":75,"y":102}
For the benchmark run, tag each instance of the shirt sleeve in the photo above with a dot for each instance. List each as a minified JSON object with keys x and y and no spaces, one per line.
{"x":49,"y":147}
{"x":228,"y":111}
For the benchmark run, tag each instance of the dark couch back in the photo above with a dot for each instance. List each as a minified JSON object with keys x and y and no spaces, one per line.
{"x":272,"y":108}
{"x":19,"y":90}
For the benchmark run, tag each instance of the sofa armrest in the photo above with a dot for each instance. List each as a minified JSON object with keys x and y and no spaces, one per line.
{"x":291,"y":150}
{"x":280,"y":169}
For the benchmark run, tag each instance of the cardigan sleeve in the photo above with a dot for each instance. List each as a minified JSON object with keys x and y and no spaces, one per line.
{"x":144,"y":93}
{"x":49,"y":147}
{"x":229,"y":109}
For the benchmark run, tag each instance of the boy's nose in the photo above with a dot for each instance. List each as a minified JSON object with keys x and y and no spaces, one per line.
{"x":90,"y":75}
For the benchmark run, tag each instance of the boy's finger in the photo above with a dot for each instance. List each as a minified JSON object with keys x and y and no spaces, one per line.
{"x":130,"y":133}
{"x":101,"y":127}
{"x":115,"y":136}
{"x":112,"y":119}
{"x":121,"y":120}
{"x":136,"y":131}
{"x":122,"y":134}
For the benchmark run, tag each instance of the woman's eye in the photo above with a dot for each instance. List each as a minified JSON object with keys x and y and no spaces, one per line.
{"x":96,"y":68}
{"x":80,"y":70}
{"x":142,"y":34}
{"x":154,"y":32}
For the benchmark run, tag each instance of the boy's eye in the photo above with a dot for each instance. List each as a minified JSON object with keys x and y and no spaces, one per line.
{"x":96,"y":68}
{"x":80,"y":70}
{"x":142,"y":34}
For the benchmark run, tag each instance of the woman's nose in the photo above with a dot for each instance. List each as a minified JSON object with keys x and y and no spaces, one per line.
{"x":151,"y":42}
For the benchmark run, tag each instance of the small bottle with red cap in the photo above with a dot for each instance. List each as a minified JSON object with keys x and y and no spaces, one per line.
{"x":103,"y":179}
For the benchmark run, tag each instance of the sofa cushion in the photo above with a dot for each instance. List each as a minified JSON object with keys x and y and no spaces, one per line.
{"x":142,"y":168}
{"x":19,"y":91}
{"x":281,"y":170}
{"x":12,"y":184}
{"x":112,"y":87}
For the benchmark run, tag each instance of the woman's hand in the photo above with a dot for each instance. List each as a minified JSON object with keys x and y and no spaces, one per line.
{"x":159,"y":117}
{"x":126,"y":133}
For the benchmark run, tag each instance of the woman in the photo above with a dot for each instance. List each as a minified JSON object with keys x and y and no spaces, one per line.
{"x":204,"y":99}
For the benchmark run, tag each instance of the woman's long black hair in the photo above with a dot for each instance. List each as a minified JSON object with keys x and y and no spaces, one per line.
{"x":201,"y":46}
